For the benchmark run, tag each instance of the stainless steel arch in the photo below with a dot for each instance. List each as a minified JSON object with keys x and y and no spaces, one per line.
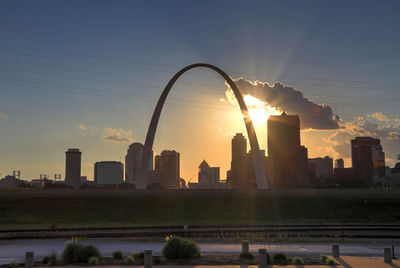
{"x":148,"y":145}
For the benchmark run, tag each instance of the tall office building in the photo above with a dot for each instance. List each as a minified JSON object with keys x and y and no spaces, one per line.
{"x":108,"y":172}
{"x":323,"y":167}
{"x":73,"y":167}
{"x":239,"y":163}
{"x":367,"y":159}
{"x":132,"y":162}
{"x":208,"y":177}
{"x":339,"y":163}
{"x":288,"y":158}
{"x":170,"y":169}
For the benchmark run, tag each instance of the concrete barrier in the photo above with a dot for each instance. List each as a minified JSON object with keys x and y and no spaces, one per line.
{"x":245,"y":246}
{"x":387,"y":255}
{"x":335,"y":251}
{"x":29,"y":259}
{"x":262,"y":258}
{"x":148,"y":258}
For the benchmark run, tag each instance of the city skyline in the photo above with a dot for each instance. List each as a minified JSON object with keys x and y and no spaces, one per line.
{"x":68,"y":84}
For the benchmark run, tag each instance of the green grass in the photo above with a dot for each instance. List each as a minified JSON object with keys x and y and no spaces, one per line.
{"x":108,"y":208}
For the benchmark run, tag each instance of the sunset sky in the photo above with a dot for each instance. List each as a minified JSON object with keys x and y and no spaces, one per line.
{"x":87,"y":75}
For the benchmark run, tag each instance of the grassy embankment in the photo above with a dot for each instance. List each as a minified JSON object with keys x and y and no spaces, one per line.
{"x":112,"y":208}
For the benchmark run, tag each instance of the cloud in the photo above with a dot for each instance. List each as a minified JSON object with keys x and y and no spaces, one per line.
{"x":81,"y":127}
{"x":117,"y":135}
{"x":389,"y":135}
{"x":379,"y":116}
{"x":3,"y":116}
{"x":285,"y":98}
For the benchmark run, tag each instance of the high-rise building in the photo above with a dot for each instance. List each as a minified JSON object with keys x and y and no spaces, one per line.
{"x":170,"y":169}
{"x":367,"y":159}
{"x":73,"y":167}
{"x":239,"y":163}
{"x":288,"y":158}
{"x":208,"y":177}
{"x":132,"y":162}
{"x":378,"y":159}
{"x":323,"y":167}
{"x":339,"y":163}
{"x":108,"y":172}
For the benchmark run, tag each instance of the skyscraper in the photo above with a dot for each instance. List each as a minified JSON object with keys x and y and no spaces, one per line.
{"x":339,"y":163}
{"x":239,"y":163}
{"x":367,"y":158}
{"x":108,"y":172}
{"x":73,"y":167}
{"x":170,"y":169}
{"x":132,"y":162}
{"x":288,"y":158}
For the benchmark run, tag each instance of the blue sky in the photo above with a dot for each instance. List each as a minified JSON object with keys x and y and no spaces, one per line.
{"x":75,"y":72}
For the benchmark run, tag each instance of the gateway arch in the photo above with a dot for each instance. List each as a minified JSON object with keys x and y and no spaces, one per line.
{"x":141,"y":182}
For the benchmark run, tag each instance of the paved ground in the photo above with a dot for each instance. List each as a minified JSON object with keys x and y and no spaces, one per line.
{"x":14,"y":250}
{"x":344,"y":262}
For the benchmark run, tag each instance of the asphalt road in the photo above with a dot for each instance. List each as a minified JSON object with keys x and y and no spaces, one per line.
{"x":14,"y":250}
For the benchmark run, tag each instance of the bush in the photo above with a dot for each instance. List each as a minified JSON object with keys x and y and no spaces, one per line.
{"x":323,"y":257}
{"x":330,"y":261}
{"x":298,"y":260}
{"x":280,"y":258}
{"x":77,"y":253}
{"x":246,"y":255}
{"x":93,"y":260}
{"x":180,"y":248}
{"x":46,"y":260}
{"x":117,"y":255}
{"x":52,"y":259}
{"x":163,"y":260}
{"x":13,"y":264}
{"x":129,"y":260}
{"x":138,"y":255}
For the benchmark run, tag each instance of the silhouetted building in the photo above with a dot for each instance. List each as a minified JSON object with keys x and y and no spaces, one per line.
{"x":10,"y":182}
{"x":378,"y":159}
{"x":367,"y":159}
{"x":288,"y":158}
{"x":239,"y":168}
{"x":339,"y":163}
{"x":108,"y":172}
{"x":208,"y":177}
{"x":323,"y":167}
{"x":170,"y":169}
{"x":73,"y":168}
{"x":343,"y":176}
{"x":132,"y":162}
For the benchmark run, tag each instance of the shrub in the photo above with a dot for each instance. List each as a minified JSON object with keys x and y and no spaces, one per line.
{"x":13,"y":264}
{"x":269,"y":260}
{"x":323,"y":257}
{"x":298,"y":260}
{"x":52,"y":259}
{"x":163,"y":260}
{"x":330,"y":261}
{"x":77,"y":253}
{"x":180,"y":248}
{"x":117,"y":255}
{"x":138,"y":255}
{"x":46,"y":260}
{"x":129,"y":260}
{"x":280,"y":258}
{"x":93,"y":260}
{"x":246,"y":255}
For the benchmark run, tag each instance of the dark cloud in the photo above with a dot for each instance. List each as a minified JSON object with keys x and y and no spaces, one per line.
{"x":312,"y":115}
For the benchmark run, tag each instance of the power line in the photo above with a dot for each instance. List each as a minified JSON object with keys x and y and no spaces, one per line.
{"x":168,"y":65}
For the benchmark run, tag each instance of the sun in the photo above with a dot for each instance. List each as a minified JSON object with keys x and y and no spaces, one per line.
{"x":259,"y":111}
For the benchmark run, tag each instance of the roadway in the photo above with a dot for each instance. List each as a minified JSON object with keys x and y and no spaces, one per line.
{"x":14,"y":250}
